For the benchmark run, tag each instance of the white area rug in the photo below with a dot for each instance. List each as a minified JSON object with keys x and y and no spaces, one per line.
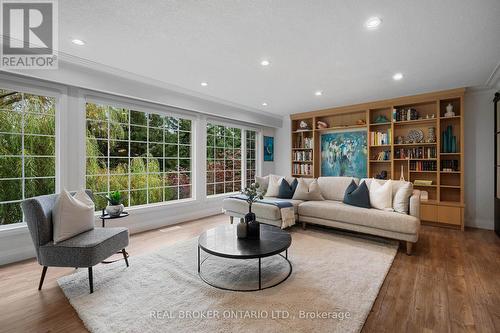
{"x":334,"y":283}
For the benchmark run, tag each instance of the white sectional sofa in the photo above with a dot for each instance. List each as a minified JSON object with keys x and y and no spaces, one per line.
{"x":334,"y":213}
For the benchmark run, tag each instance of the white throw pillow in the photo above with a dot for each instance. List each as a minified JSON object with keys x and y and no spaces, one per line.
{"x":72,"y":215}
{"x":273,"y":189}
{"x":305,"y":191}
{"x":401,"y":200}
{"x":381,"y":195}
{"x":263,"y":182}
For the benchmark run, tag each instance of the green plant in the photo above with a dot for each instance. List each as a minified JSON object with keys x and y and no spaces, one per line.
{"x":114,"y":198}
{"x":252,"y":194}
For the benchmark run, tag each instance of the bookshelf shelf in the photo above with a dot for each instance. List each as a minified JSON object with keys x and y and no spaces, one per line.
{"x":445,"y":204}
{"x":415,"y":144}
{"x":340,"y":127}
{"x":414,"y":122}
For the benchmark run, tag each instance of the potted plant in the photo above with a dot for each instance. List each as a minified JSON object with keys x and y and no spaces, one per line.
{"x":252,"y":227}
{"x":115,"y":205}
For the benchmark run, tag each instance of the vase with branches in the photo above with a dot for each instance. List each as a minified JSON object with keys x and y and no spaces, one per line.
{"x":252,"y":194}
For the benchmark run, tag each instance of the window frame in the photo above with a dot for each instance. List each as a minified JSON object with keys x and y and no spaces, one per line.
{"x":243,"y":128}
{"x":148,"y":108}
{"x":59,"y":94}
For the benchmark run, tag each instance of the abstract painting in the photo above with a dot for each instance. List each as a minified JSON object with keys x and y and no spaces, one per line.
{"x":268,"y":148}
{"x":344,"y":153}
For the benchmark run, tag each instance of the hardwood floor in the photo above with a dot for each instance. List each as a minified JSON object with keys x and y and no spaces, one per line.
{"x":450,"y":284}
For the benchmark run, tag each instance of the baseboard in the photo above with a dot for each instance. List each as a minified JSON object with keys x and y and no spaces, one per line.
{"x":480,"y":224}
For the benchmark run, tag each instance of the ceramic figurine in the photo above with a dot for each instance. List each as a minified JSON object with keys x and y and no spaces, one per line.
{"x":449,"y":111}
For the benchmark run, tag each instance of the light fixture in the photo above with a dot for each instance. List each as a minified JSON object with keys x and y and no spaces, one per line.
{"x":78,"y":42}
{"x":204,"y":84}
{"x":318,"y":93}
{"x":265,"y":63}
{"x":264,"y":104}
{"x":373,"y":23}
{"x":397,"y":76}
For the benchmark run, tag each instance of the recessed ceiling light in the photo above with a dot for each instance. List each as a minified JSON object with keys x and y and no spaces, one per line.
{"x":397,"y":76}
{"x":204,"y":84}
{"x":264,"y":104}
{"x":373,"y":23}
{"x":318,"y":93}
{"x":265,"y":63}
{"x":78,"y":42}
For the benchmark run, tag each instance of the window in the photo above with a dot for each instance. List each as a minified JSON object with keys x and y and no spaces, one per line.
{"x":250,"y":162}
{"x":223,"y":159}
{"x":145,"y":156}
{"x":27,"y":150}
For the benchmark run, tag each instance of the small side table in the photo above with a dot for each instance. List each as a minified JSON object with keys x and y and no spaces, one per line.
{"x":104,"y":216}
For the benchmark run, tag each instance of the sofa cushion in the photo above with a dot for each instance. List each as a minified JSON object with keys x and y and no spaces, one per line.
{"x":263,"y":182}
{"x":381,"y":195}
{"x":358,"y":196}
{"x":308,"y":191}
{"x":374,"y":218}
{"x":396,"y":186}
{"x":333,"y":188}
{"x":287,"y":190}
{"x":261,"y":210}
{"x":273,"y":188}
{"x":401,"y":200}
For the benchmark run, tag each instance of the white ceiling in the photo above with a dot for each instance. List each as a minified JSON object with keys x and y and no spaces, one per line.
{"x":312,"y":45}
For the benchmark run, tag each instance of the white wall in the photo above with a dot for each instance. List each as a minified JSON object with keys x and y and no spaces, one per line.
{"x":479,"y":158}
{"x":479,"y":153}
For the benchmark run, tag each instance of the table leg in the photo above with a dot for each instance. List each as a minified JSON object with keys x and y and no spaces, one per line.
{"x":260,"y":280}
{"x":198,"y":259}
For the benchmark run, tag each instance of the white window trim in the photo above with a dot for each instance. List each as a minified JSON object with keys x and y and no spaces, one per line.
{"x":132,"y":105}
{"x":258,"y":164}
{"x":50,"y":90}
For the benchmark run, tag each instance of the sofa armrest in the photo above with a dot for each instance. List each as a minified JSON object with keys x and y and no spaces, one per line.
{"x":415,"y":204}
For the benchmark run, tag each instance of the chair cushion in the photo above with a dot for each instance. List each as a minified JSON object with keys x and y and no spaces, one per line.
{"x":287,"y":190}
{"x":86,"y":249}
{"x":358,"y":196}
{"x":333,"y":188}
{"x":338,"y":211}
{"x":72,"y":215}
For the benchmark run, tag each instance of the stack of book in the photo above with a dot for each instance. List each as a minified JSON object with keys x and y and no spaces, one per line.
{"x":422,"y":182}
{"x":380,"y":138}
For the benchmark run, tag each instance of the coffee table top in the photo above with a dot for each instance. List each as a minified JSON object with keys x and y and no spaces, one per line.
{"x":222,"y":242}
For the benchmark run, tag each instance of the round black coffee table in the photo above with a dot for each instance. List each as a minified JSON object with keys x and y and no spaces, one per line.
{"x":222,"y":242}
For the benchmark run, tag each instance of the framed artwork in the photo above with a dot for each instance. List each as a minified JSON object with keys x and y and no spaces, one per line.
{"x":268,"y":148}
{"x":344,"y":153}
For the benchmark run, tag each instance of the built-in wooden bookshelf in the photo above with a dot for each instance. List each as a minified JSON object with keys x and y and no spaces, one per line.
{"x":392,"y":149}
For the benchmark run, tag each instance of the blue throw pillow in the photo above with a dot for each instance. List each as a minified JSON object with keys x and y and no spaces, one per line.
{"x":358,"y":196}
{"x":286,"y":190}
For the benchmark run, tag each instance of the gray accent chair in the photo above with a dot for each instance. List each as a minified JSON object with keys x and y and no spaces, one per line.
{"x":83,"y":250}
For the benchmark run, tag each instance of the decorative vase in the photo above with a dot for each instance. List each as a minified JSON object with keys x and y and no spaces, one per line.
{"x":253,"y":230}
{"x":114,"y":210}
{"x":449,"y":111}
{"x":432,"y":135}
{"x":242,"y":229}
